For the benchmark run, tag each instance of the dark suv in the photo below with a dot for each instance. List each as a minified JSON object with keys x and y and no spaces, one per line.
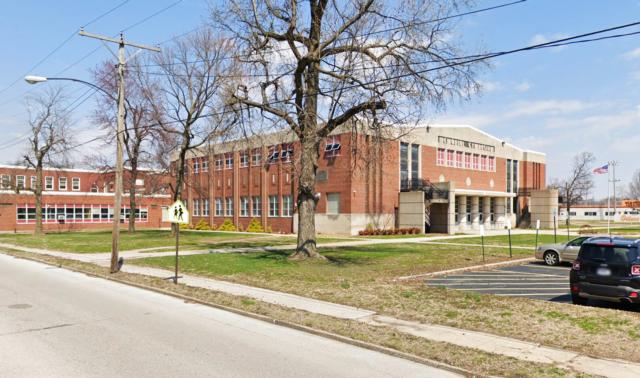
{"x":606,"y":269}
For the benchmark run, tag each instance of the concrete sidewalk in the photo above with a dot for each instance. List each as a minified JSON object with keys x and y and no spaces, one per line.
{"x":478,"y":340}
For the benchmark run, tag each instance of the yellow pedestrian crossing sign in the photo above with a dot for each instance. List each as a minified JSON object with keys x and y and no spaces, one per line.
{"x":178,"y":213}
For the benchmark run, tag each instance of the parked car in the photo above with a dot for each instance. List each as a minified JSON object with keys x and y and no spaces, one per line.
{"x":554,"y":254}
{"x":606,"y":269}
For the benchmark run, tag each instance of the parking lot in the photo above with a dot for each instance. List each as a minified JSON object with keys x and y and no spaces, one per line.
{"x":532,"y":280}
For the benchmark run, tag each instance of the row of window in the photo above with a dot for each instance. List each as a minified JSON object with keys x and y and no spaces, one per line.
{"x":248,"y":205}
{"x":465,"y":160}
{"x":77,"y":213}
{"x":48,"y":182}
{"x":606,"y":213}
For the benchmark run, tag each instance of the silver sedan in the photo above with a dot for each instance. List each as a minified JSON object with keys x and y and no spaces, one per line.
{"x":554,"y":254}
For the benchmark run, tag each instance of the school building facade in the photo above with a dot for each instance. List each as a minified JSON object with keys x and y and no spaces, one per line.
{"x":439,"y":178}
{"x":77,"y":199}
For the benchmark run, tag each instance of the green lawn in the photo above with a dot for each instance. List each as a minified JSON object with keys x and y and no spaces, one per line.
{"x":521,"y":240}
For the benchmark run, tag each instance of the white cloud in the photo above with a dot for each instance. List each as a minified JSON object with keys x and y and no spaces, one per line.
{"x":523,"y":87}
{"x":490,"y":86}
{"x":545,"y":107}
{"x":633,"y":54}
{"x":541,"y":38}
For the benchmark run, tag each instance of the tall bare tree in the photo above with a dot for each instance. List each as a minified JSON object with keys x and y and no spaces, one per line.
{"x":196,"y":76}
{"x":576,"y":186}
{"x":633,"y":191}
{"x":316,"y":65}
{"x":49,"y":140}
{"x":141,"y":131}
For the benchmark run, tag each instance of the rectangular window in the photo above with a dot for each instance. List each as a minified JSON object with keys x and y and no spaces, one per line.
{"x":94,"y":188}
{"x":287,"y":206}
{"x":244,"y":159}
{"x":476,"y":162}
{"x":48,"y":183}
{"x":483,"y":163}
{"x":218,"y":162}
{"x":228,"y":160}
{"x":256,"y":157}
{"x":451,"y":158}
{"x":244,"y":206}
{"x":229,"y":206}
{"x":441,"y":157}
{"x":218,"y":207}
{"x":273,"y":206}
{"x":508,"y":175}
{"x":205,"y":207}
{"x":332,"y":147}
{"x":196,"y":208}
{"x":459,"y":159}
{"x":205,"y":165}
{"x":492,"y":164}
{"x":33,"y":182}
{"x":20,"y":182}
{"x":6,"y":182}
{"x":333,"y":203}
{"x":468,"y":211}
{"x":62,"y":183}
{"x":75,"y":184}
{"x":196,"y":166}
{"x":404,"y":161}
{"x":273,"y":155}
{"x":415,"y":161}
{"x":256,"y":206}
{"x":467,"y":160}
{"x":287,"y":153}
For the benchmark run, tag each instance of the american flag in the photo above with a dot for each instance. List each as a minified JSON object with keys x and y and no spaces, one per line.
{"x":602,"y":170}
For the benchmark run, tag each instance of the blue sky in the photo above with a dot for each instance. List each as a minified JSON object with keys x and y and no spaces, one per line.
{"x":559,"y":101}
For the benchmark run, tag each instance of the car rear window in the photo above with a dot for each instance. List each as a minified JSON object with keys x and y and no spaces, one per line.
{"x":608,"y":254}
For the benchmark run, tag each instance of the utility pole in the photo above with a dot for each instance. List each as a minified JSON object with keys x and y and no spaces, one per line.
{"x":117,"y":203}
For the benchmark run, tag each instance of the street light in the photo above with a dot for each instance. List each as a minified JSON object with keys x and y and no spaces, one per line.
{"x":117,"y":205}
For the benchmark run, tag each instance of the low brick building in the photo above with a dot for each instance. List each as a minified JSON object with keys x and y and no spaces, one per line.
{"x":77,"y":199}
{"x":437,"y":178}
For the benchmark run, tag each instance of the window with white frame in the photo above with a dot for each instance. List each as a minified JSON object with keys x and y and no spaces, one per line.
{"x":48,"y":183}
{"x":287,"y":206}
{"x":492,"y":164}
{"x":6,"y":182}
{"x":333,"y":203}
{"x":483,"y":163}
{"x":244,"y":159}
{"x":467,"y":160}
{"x":94,"y":188}
{"x":75,"y":184}
{"x":256,"y":206}
{"x":204,"y":165}
{"x":459,"y":159}
{"x":196,"y":208}
{"x":205,"y":207}
{"x":273,"y":206}
{"x":20,"y":181}
{"x":273,"y":155}
{"x":441,"y":156}
{"x":32,"y":184}
{"x":218,"y":207}
{"x":218,"y":162}
{"x":62,"y":183}
{"x":333,"y":146}
{"x":229,"y":206}
{"x":228,"y":160}
{"x":287,"y":153}
{"x":196,"y":166}
{"x":244,"y":206}
{"x":256,"y":157}
{"x":78,"y":213}
{"x":476,"y":161}
{"x":451,"y":158}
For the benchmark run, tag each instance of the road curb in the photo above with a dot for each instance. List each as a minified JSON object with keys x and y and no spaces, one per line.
{"x":465,"y":269}
{"x":264,"y":318}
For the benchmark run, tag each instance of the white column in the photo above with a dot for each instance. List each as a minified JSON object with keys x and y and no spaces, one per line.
{"x":475,"y":212}
{"x":500,"y":212}
{"x":462,"y":210}
{"x":486,"y":211}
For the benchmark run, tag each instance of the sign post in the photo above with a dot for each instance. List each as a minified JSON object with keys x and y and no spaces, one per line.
{"x":537,"y":231}
{"x":509,"y":231}
{"x":178,"y":214}
{"x":555,"y":233}
{"x":482,"y":240}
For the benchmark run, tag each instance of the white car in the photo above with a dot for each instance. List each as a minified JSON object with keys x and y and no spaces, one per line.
{"x":554,"y":254}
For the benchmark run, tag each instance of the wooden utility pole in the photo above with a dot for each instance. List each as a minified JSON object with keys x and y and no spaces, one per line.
{"x":117,"y":203}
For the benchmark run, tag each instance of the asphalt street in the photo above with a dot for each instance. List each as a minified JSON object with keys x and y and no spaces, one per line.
{"x":532,"y":280}
{"x":55,"y":322}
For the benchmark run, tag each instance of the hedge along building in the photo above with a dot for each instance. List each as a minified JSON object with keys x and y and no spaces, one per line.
{"x":77,"y":199}
{"x":436,"y":178}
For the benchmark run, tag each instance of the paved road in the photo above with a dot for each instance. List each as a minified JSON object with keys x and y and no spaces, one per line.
{"x":58,"y":323}
{"x":531,"y":280}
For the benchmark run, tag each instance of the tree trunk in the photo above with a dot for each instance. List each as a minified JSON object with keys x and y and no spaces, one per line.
{"x":38,"y":199}
{"x":306,"y":246}
{"x":133,"y":176}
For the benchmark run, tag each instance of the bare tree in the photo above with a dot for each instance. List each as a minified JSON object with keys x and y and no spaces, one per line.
{"x":49,"y":140}
{"x":141,"y":131}
{"x":317,"y":65}
{"x":633,"y":191}
{"x":195,"y":82}
{"x":576,"y":187}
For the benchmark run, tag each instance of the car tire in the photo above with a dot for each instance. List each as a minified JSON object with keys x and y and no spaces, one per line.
{"x":578,"y":300}
{"x":551,"y":258}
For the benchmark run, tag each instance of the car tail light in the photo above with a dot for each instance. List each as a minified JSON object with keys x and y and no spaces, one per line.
{"x":575,"y":288}
{"x":633,"y":294}
{"x":635,"y":270}
{"x":576,"y":265}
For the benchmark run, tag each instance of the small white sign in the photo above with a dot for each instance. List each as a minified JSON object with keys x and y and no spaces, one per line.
{"x":178,"y":213}
{"x":537,"y":224}
{"x":481,"y":230}
{"x":508,"y":224}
